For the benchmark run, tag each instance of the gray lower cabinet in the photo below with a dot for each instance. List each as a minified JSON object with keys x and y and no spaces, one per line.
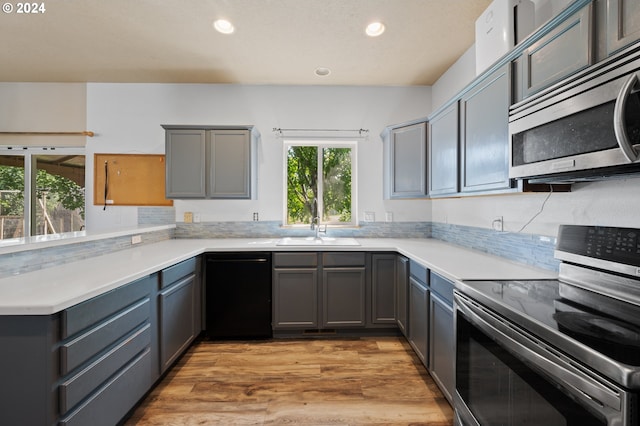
{"x":88,"y":364}
{"x":179,"y":310}
{"x":443,"y":152}
{"x":319,"y":290}
{"x":295,"y":291}
{"x":419,"y":311}
{"x":295,"y":298}
{"x":208,"y":162}
{"x":92,"y":362}
{"x":343,"y":297}
{"x":383,"y":288}
{"x":563,"y":51}
{"x":442,"y":335}
{"x":623,"y":24}
{"x":484,"y":134}
{"x":408,"y":161}
{"x":402,"y":286}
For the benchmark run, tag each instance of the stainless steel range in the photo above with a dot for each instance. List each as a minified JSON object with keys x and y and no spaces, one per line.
{"x":555,"y":352}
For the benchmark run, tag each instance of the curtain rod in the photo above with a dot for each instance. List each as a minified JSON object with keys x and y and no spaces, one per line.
{"x":279,"y":131}
{"x":85,"y":133}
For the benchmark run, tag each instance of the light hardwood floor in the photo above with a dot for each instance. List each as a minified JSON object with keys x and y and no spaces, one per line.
{"x":362,"y":381}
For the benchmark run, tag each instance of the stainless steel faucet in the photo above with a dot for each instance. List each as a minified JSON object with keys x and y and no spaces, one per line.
{"x":315,"y":225}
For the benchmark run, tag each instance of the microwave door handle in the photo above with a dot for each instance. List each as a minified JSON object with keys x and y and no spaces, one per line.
{"x":619,"y":125}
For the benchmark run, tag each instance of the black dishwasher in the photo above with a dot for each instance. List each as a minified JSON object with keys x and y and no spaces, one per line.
{"x":238,"y":295}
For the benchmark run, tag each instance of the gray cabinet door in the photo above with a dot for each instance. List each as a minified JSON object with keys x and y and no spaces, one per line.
{"x":343,"y":297}
{"x":295,"y":298}
{"x":185,"y":163}
{"x":383,"y":278}
{"x":564,"y":50}
{"x":443,"y":152}
{"x":177,"y":308}
{"x":484,"y":126}
{"x":229,"y":165}
{"x":402,"y":283}
{"x":623,"y":24}
{"x":408,"y":161}
{"x":419,"y":318}
{"x":442,"y":345}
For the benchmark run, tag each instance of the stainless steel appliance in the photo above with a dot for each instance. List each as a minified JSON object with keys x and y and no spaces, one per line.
{"x":585,"y":129}
{"x":554,"y":352}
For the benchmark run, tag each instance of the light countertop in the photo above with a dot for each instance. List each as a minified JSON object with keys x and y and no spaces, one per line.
{"x":53,"y":289}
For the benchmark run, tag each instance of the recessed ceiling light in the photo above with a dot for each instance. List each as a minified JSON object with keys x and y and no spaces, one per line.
{"x":223,"y":26}
{"x":322,"y":71}
{"x":374,"y":29}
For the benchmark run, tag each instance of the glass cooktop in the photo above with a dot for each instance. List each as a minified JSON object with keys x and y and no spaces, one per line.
{"x":541,"y":302}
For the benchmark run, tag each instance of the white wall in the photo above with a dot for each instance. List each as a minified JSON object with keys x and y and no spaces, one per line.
{"x":42,"y":107}
{"x":127,"y":119}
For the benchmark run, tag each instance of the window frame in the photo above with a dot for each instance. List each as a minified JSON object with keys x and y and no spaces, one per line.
{"x":29,"y":154}
{"x":320,"y":144}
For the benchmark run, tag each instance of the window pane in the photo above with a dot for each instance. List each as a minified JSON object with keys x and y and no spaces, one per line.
{"x":336,"y":187}
{"x":11,"y":196}
{"x":302,"y":184}
{"x":59,"y":197}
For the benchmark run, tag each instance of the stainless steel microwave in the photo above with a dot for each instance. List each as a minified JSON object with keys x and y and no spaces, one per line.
{"x":585,"y":129}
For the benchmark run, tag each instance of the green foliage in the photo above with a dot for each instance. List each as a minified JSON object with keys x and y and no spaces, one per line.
{"x":58,"y":189}
{"x":302,"y":184}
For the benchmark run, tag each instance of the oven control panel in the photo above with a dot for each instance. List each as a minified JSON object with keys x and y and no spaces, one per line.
{"x":620,"y":245}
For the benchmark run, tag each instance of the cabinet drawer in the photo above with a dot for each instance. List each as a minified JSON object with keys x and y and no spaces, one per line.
{"x":78,"y":387}
{"x":343,"y":259}
{"x":116,"y":397}
{"x":442,"y":286}
{"x":176,"y":272}
{"x":418,"y":271}
{"x":82,"y":348}
{"x":87,"y":313}
{"x":295,"y":259}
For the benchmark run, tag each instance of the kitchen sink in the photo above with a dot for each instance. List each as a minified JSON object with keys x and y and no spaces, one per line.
{"x":313,"y":241}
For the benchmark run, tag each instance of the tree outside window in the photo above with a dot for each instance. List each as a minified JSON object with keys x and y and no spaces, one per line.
{"x":57,"y":200}
{"x":319,"y":184}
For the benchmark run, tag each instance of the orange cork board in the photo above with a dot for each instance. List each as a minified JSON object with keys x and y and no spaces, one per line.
{"x":129,"y":180}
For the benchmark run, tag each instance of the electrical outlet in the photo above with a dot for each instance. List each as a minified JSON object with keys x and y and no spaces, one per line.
{"x":498,"y":224}
{"x":256,"y":217}
{"x":196,"y":217}
{"x":388,"y":217}
{"x":136,"y":239}
{"x":188,"y":217}
{"x":369,"y":217}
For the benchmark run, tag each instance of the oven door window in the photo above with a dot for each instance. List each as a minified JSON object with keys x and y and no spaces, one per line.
{"x":499,"y":389}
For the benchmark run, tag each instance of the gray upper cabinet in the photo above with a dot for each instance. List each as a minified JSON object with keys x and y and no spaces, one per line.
{"x":443,"y":152}
{"x":623,"y":24}
{"x":186,"y":165}
{"x":408,"y":161}
{"x":208,"y":162}
{"x":484,"y":128}
{"x":561,"y":52}
{"x":229,"y":164}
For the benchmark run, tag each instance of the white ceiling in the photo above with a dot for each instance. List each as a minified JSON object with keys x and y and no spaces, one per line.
{"x":275,"y":42}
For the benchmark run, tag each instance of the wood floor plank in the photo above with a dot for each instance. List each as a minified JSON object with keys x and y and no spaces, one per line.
{"x":359,"y":381}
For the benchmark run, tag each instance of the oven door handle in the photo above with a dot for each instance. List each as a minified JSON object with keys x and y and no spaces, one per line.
{"x":593,"y":391}
{"x":619,"y":124}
